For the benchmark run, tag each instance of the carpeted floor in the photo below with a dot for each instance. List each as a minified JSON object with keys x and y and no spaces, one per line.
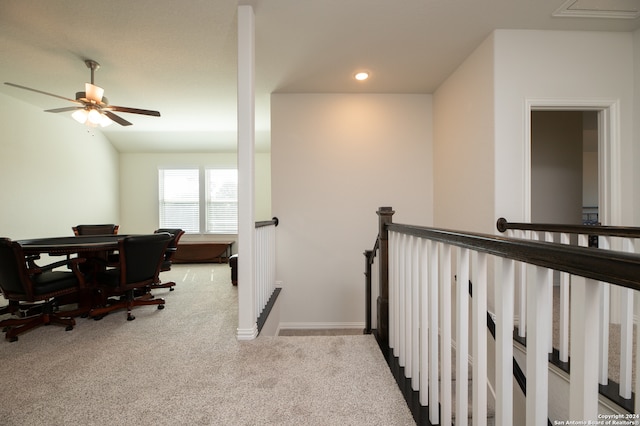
{"x":183,"y":365}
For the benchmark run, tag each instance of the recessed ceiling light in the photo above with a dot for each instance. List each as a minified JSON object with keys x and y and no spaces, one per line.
{"x":362,"y":75}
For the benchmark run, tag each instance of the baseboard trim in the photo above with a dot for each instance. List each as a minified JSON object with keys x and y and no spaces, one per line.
{"x":319,"y":325}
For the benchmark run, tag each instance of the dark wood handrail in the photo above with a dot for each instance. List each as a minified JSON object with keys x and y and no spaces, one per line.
{"x":610,"y":266}
{"x":614,"y":231}
{"x":275,"y":221}
{"x":371,"y":254}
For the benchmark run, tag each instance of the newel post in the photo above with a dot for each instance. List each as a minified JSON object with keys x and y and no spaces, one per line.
{"x":384,"y":218}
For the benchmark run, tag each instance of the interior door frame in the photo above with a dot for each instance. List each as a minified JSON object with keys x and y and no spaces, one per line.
{"x":609,"y":187}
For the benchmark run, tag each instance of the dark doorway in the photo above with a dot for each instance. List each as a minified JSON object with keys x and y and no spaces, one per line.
{"x":564,"y":166}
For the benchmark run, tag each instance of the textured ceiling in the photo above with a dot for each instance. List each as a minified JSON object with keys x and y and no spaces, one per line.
{"x":180,"y":57}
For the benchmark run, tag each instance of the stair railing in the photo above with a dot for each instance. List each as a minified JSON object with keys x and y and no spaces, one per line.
{"x":265,"y":269}
{"x":604,"y":237}
{"x":429,"y":316}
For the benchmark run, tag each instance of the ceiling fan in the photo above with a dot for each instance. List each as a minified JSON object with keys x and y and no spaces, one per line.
{"x":92,"y":107}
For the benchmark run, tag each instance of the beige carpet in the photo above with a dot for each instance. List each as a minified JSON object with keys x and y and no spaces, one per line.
{"x":183,"y":365}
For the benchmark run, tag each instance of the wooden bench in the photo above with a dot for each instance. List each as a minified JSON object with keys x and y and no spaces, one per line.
{"x":203,"y":251}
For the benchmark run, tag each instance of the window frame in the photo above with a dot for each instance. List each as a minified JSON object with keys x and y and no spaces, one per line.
{"x":203,"y":200}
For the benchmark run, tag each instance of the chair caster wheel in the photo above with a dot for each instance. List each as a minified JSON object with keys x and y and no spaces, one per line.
{"x":171,"y":288}
{"x":13,"y":339}
{"x":160,"y":306}
{"x":130,"y":317}
{"x":98,"y":317}
{"x":68,"y":328}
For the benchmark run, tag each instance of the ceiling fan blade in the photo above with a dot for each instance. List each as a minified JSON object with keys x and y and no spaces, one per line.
{"x":63,"y":109}
{"x":134,"y":110}
{"x":43,"y":93}
{"x":121,"y":121}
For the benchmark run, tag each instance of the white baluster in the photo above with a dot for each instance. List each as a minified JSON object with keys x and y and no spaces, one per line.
{"x":393,"y":250}
{"x":445,"y":330}
{"x":548,"y":237}
{"x":479,"y":340}
{"x":537,"y":345}
{"x":401,"y":298}
{"x":504,"y":299}
{"x":425,"y":265}
{"x":407,"y":309}
{"x":637,"y":405}
{"x":522,"y":295}
{"x":434,"y":396}
{"x":603,"y":311}
{"x":626,"y":332}
{"x":462,"y":338}
{"x":585,"y":300}
{"x":396,"y":295}
{"x":416,"y":284}
{"x":563,"y":348}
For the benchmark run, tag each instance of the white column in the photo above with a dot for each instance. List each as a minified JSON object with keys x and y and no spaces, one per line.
{"x":247,"y":321}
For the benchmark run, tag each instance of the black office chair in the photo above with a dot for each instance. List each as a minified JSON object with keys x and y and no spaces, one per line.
{"x":172,"y":248}
{"x":140,"y":260}
{"x":33,"y":290}
{"x":105,"y":229}
{"x":101,"y":229}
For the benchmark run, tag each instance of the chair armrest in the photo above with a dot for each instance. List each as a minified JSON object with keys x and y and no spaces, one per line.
{"x":37,"y":269}
{"x":31,"y":260}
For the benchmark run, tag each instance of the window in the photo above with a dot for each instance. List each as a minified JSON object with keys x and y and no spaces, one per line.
{"x":222,"y":201}
{"x":199,"y":201}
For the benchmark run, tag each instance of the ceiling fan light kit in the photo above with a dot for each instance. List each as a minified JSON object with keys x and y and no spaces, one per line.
{"x":93,"y":107}
{"x":91,"y":117}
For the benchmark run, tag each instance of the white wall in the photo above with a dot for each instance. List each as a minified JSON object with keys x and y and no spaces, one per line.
{"x":55,"y":173}
{"x":558,"y":66}
{"x":336,"y":158}
{"x":139,"y":186}
{"x":480,"y":119}
{"x":479,"y":111}
{"x":463,"y":145}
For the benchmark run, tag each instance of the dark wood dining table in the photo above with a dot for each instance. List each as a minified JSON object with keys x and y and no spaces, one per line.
{"x":58,"y":246}
{"x":90,"y":247}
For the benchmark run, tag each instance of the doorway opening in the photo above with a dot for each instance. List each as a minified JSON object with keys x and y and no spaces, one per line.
{"x":598,"y":126}
{"x":564,"y":167}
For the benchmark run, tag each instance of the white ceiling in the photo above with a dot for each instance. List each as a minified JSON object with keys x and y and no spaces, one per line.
{"x":180,"y":57}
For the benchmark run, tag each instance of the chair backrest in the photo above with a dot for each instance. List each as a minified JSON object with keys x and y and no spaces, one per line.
{"x":141,"y":257}
{"x":13,"y":269}
{"x":176,"y":234}
{"x":105,"y":229}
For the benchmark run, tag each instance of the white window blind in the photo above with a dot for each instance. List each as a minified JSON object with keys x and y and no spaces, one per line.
{"x":222,"y":201}
{"x":180,"y":199}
